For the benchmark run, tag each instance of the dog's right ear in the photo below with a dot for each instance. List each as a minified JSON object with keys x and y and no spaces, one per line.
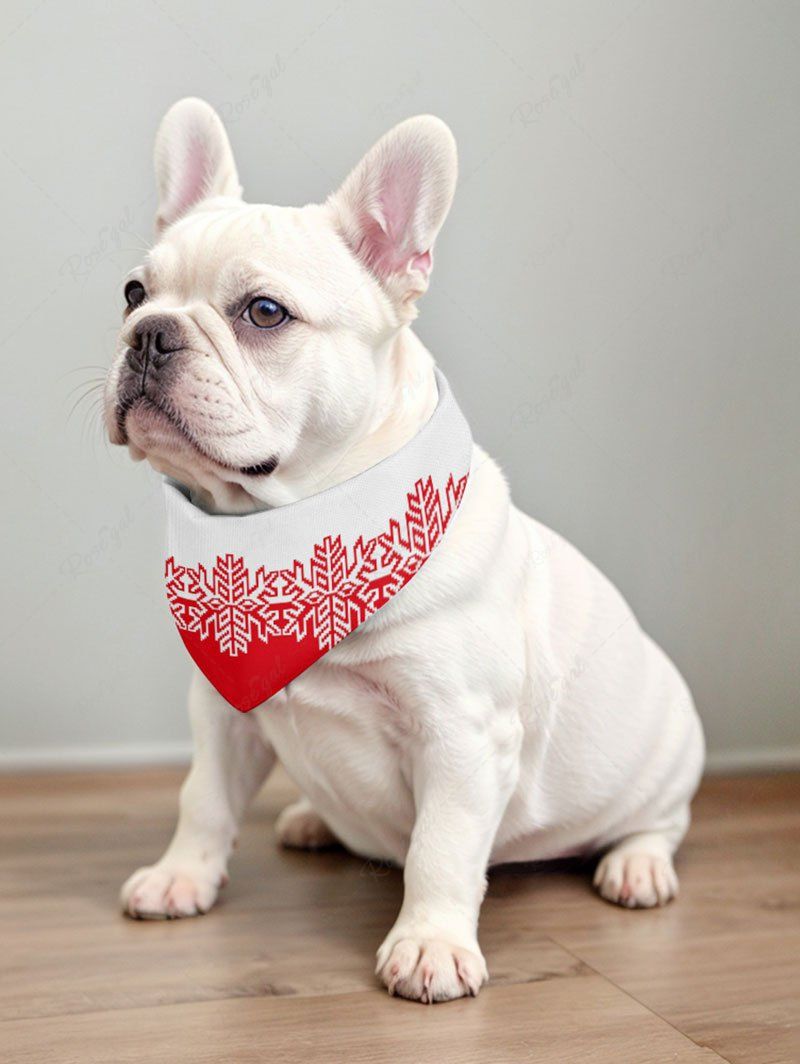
{"x":193,"y":160}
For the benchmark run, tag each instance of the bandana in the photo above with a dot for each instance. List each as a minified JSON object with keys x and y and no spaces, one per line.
{"x":259,"y":598}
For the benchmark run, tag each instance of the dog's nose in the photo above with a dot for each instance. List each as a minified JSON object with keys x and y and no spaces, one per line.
{"x":155,"y":339}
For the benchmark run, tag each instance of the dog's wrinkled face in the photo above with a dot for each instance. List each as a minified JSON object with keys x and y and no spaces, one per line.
{"x":246,"y":326}
{"x":253,"y":337}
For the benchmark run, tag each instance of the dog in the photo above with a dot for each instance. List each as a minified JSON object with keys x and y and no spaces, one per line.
{"x":506,"y":706}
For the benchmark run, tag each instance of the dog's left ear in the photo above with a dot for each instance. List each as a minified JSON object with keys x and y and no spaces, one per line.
{"x":193,"y":160}
{"x":394,"y":203}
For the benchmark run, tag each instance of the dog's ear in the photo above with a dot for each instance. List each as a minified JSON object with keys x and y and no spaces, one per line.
{"x":193,"y":160}
{"x":394,"y":203}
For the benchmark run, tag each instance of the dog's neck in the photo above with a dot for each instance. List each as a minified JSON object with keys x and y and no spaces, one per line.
{"x":405,"y":397}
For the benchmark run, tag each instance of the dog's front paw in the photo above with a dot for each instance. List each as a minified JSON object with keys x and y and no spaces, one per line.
{"x":165,"y":891}
{"x":430,"y":969}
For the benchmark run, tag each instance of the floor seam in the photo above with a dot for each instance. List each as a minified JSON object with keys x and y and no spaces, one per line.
{"x":378,"y":988}
{"x":638,"y":1001}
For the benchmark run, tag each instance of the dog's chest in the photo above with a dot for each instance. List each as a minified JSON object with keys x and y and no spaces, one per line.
{"x":346,"y":729}
{"x":341,"y":734}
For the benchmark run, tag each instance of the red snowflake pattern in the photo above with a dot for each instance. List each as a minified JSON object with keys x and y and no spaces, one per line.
{"x":325,"y":597}
{"x":222,"y":603}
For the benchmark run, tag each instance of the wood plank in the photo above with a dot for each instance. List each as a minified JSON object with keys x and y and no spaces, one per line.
{"x":559,"y":1021}
{"x":738,"y":993}
{"x":288,"y":955}
{"x":723,"y":963}
{"x":289,"y":923}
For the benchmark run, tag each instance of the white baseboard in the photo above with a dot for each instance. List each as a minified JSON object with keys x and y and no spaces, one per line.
{"x":758,"y":759}
{"x":76,"y":758}
{"x":139,"y":755}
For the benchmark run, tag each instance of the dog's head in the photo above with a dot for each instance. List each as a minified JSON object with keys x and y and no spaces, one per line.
{"x":255,"y":339}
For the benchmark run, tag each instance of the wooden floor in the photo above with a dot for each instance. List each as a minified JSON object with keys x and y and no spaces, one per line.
{"x":281,"y":970}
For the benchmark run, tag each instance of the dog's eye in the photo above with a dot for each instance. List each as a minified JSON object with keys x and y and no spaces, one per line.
{"x":266,"y":313}
{"x":135,"y":294}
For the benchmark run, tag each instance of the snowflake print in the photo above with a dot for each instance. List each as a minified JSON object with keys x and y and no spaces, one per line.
{"x":323,"y":598}
{"x":332,"y":593}
{"x":221,"y":604}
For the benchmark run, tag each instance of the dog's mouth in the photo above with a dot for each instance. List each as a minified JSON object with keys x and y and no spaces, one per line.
{"x":177,"y":423}
{"x":263,"y":469}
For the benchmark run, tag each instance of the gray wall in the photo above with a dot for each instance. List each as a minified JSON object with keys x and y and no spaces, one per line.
{"x":615,"y":301}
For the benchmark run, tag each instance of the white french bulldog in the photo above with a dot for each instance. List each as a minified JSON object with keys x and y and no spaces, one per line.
{"x":506,"y":706}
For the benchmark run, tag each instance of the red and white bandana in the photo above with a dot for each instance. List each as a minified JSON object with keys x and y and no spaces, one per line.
{"x":259,"y":598}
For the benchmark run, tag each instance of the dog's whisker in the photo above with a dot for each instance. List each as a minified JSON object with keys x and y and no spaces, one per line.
{"x":93,"y":392}
{"x":82,"y":369}
{"x":92,"y":426}
{"x":93,"y":384}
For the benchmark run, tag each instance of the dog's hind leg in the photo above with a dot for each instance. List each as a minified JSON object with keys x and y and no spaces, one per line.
{"x":231,"y":761}
{"x":300,"y":827}
{"x":637,"y":872}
